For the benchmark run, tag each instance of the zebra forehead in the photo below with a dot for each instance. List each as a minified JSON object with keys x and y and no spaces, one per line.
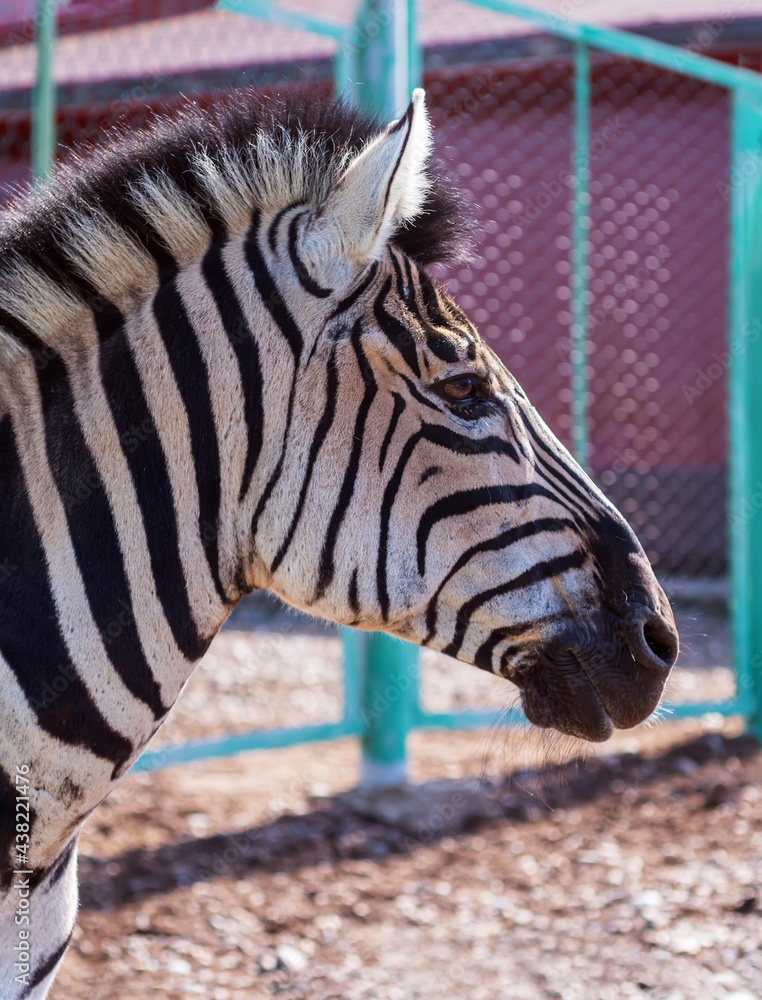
{"x":185,"y":178}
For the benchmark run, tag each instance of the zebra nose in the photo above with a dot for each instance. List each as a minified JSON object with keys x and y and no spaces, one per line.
{"x":652,"y":639}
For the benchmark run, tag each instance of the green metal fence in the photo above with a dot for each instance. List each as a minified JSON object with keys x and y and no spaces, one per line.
{"x":377,"y":63}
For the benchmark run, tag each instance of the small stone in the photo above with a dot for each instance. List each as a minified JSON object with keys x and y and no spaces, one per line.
{"x":727,"y":978}
{"x":292,"y":958}
{"x":648,"y":899}
{"x":178,"y":967}
{"x":268,"y":962}
{"x":686,"y":944}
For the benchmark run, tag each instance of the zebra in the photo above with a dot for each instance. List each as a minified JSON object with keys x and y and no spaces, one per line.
{"x":224,"y":366}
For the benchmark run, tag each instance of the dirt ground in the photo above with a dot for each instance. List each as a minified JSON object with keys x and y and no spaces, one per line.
{"x":633,"y":872}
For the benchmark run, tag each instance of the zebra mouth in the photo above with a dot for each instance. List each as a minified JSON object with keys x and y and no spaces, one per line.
{"x":587,"y":695}
{"x":561,"y":695}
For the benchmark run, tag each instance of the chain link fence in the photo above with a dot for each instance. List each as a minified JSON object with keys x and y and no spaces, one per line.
{"x":657,"y":361}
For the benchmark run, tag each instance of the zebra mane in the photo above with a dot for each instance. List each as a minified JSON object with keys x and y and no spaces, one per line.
{"x":99,"y":225}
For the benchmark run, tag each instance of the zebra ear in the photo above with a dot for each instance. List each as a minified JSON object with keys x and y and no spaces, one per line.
{"x":383,"y":187}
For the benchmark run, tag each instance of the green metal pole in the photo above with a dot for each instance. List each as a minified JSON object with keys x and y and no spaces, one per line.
{"x":354,"y":643}
{"x":44,"y":100}
{"x":629,"y":45}
{"x":414,"y":50}
{"x":273,"y":13}
{"x":745,"y":417}
{"x":343,"y":68}
{"x":389,"y":709}
{"x":385,"y":68}
{"x":386,"y":59}
{"x":580,"y":233}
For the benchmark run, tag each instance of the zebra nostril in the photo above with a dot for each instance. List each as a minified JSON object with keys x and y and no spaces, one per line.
{"x":660,"y":642}
{"x":653,"y":641}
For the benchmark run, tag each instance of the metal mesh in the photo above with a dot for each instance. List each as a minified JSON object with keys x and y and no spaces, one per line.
{"x":17,"y":17}
{"x":656,"y":366}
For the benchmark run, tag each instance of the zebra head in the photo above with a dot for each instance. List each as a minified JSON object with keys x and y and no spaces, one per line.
{"x":316,"y":416}
{"x":434,"y":502}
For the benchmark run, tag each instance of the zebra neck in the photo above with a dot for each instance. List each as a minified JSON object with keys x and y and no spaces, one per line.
{"x":182,"y":380}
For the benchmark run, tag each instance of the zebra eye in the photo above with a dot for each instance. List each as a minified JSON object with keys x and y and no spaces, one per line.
{"x":459,"y":388}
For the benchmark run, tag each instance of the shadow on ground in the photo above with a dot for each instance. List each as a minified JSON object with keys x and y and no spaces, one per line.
{"x":332,"y":831}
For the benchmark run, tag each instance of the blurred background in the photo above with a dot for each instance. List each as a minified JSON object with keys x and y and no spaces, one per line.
{"x":656,"y":370}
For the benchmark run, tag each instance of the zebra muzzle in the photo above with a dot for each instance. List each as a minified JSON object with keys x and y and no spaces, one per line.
{"x":588,"y":686}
